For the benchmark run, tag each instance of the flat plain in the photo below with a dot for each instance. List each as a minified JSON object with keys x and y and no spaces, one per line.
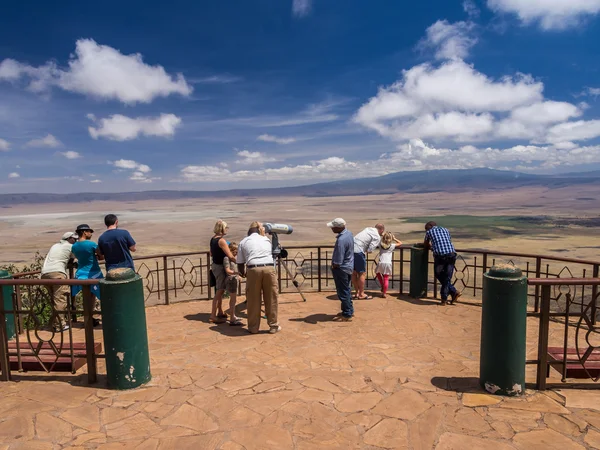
{"x":560,"y":222}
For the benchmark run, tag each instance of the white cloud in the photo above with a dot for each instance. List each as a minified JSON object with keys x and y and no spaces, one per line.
{"x":450,"y":40}
{"x":452,"y":100}
{"x":471,"y":9}
{"x":102,"y":72}
{"x":70,"y":154}
{"x":551,"y":14}
{"x":4,"y":145}
{"x":546,"y":112}
{"x":216,"y":79}
{"x":301,"y":8}
{"x":48,"y":141}
{"x":122,"y":128}
{"x":13,"y":175}
{"x":277,"y":140}
{"x":96,"y":181}
{"x":592,"y":92}
{"x":581,"y":130}
{"x":253,"y":158}
{"x":140,"y":172}
{"x":413,"y":155}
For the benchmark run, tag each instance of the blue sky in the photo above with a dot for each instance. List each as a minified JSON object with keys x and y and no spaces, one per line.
{"x":255,"y":93}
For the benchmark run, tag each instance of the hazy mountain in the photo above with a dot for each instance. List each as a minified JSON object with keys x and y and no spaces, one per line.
{"x":408,"y":182}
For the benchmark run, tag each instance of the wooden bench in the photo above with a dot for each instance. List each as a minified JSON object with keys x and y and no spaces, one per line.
{"x":48,"y":357}
{"x":574,"y":367}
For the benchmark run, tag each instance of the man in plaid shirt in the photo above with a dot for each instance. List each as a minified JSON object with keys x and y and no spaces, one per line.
{"x":444,"y":258}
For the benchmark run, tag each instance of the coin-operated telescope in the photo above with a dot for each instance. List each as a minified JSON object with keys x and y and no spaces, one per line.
{"x":280,"y":253}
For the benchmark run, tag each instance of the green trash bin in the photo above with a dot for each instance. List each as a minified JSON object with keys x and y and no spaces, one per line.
{"x":7,"y":294}
{"x":419,"y":271}
{"x":124,"y":329}
{"x":503,"y":331}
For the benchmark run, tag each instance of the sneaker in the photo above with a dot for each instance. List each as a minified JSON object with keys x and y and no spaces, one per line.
{"x":96,"y":322}
{"x":58,"y":329}
{"x":342,"y":318}
{"x":443,"y":302}
{"x":274,"y":330}
{"x":455,"y":297}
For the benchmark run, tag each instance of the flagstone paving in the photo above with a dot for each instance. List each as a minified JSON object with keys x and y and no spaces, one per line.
{"x":403,"y":374}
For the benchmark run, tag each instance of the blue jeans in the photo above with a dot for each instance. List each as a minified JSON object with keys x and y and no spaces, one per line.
{"x":342,"y":286}
{"x":444,"y":269}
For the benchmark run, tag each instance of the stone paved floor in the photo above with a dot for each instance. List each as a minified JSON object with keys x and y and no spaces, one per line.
{"x":402,"y":375}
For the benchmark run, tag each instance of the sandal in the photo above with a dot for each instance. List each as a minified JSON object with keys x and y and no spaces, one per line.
{"x":222,"y":316}
{"x":236,"y":323}
{"x":218,"y":320}
{"x":366,"y":297}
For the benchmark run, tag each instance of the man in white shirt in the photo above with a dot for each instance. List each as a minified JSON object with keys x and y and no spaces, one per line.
{"x":256,"y":252}
{"x":55,"y":268}
{"x":364,"y":242}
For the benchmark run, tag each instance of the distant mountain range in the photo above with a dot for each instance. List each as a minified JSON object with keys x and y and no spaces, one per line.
{"x":400,"y":182}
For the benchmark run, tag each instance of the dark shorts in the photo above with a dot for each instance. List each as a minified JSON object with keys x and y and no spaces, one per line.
{"x":231,"y":284}
{"x":360,"y":262}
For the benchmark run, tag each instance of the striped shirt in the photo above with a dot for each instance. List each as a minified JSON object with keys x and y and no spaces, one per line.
{"x":441,"y":243}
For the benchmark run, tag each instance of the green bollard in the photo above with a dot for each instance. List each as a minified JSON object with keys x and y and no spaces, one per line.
{"x":124,"y":329}
{"x":419,"y":271}
{"x":7,"y":294}
{"x":503,"y":331}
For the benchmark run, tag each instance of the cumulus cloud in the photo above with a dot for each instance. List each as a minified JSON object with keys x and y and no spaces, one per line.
{"x":450,"y":40}
{"x":70,"y":154}
{"x":452,"y":100}
{"x":471,"y":9}
{"x":551,"y":14}
{"x":48,"y":141}
{"x":102,"y":72}
{"x":581,"y":130}
{"x":410,"y":156}
{"x":329,"y":167}
{"x":249,"y":158}
{"x":96,"y":181}
{"x":122,"y":128}
{"x":139,"y":172}
{"x":301,"y":8}
{"x":277,"y":140}
{"x":4,"y":145}
{"x":14,"y":175}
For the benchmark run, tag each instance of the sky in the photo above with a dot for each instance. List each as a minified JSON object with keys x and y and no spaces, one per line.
{"x":131,"y":96}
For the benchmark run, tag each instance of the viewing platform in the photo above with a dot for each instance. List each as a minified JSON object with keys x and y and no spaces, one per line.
{"x":403,"y":374}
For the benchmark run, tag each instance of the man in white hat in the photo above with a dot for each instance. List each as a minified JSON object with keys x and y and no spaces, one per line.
{"x":55,"y":268}
{"x":342,"y":265}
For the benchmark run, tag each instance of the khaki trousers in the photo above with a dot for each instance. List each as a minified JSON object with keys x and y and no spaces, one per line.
{"x":57,"y":293}
{"x":261,"y":280}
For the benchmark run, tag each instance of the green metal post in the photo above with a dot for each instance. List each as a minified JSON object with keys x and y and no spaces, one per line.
{"x":419,"y":271}
{"x":503,"y":331}
{"x":124,"y":329}
{"x":7,"y":294}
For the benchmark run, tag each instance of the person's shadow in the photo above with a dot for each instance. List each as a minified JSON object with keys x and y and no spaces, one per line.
{"x":315,"y":318}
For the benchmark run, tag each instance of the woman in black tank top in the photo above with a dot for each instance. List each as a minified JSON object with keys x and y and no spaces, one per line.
{"x":218,"y":251}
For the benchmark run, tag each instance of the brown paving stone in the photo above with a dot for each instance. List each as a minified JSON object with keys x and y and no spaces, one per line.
{"x":451,"y":441}
{"x":89,"y":438}
{"x":404,"y":404}
{"x":546,"y":439}
{"x":589,"y":416}
{"x":592,"y":438}
{"x":423,"y":431}
{"x":133,"y":427}
{"x":110,"y":415}
{"x":560,"y":424}
{"x":321,"y":384}
{"x":465,"y":420}
{"x":32,"y":445}
{"x":503,"y":429}
{"x":145,"y":394}
{"x":388,"y":433}
{"x":538,"y":402}
{"x":350,"y":403}
{"x":16,"y":428}
{"x":263,"y":437}
{"x":584,"y":399}
{"x":191,"y":417}
{"x":472,"y":400}
{"x":148,"y":444}
{"x":314,"y":395}
{"x":85,"y":416}
{"x":518,"y":420}
{"x":53,"y":429}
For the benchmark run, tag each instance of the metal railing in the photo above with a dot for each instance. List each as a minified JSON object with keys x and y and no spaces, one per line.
{"x":568,"y":338}
{"x":44,"y":327}
{"x":170,"y":278}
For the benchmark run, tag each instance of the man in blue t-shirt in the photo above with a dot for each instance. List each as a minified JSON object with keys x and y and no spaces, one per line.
{"x":116,"y":245}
